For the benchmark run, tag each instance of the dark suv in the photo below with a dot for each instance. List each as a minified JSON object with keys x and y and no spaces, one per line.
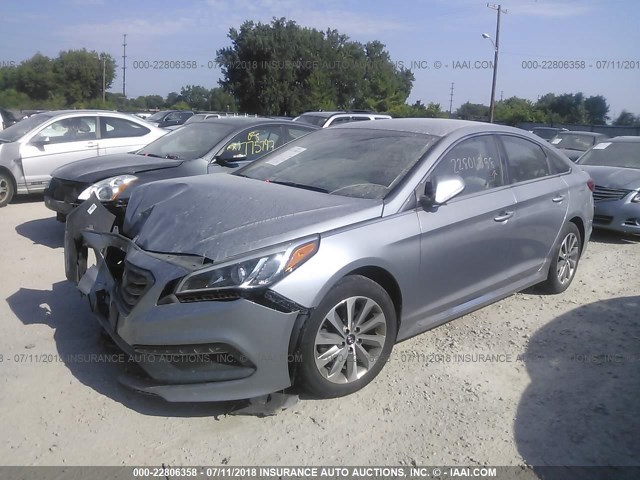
{"x":167,"y":118}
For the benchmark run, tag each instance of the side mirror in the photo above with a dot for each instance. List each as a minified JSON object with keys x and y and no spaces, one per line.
{"x":445,"y":189}
{"x":230,"y":156}
{"x":40,"y":142}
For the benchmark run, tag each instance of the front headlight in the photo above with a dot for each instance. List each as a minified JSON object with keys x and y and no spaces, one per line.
{"x":636,"y":198}
{"x":109,"y":189}
{"x":258,"y":271}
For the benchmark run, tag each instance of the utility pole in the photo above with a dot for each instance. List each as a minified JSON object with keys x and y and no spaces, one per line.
{"x":501,"y":93}
{"x":496,"y":45}
{"x":451,"y":99}
{"x":104,"y":79}
{"x":124,"y":67}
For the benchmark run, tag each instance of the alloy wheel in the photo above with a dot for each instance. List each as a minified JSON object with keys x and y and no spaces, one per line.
{"x":350,"y":339}
{"x":568,"y":258}
{"x":4,"y":189}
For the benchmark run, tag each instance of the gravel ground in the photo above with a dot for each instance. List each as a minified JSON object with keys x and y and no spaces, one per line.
{"x":538,"y":380}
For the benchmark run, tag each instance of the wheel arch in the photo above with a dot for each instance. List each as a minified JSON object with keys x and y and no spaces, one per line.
{"x":577,"y":221}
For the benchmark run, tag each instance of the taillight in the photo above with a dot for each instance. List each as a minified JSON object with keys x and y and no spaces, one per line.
{"x":591,"y":184}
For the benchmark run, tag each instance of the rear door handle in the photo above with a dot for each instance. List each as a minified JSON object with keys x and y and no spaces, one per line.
{"x":558,"y":198}
{"x":503,"y":216}
{"x":92,"y":144}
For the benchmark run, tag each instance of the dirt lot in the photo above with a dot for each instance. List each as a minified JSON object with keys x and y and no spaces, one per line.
{"x":539,"y":380}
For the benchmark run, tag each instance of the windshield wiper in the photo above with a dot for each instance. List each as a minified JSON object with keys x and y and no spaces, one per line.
{"x":299,"y":185}
{"x":154,"y":155}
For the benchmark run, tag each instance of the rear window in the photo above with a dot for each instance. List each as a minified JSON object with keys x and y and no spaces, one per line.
{"x":317,"y":120}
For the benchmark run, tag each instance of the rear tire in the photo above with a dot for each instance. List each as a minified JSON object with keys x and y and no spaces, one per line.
{"x":565,"y":261}
{"x":7,"y":189}
{"x":347,"y":339}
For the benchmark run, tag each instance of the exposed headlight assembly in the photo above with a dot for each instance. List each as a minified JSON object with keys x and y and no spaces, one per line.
{"x":108,"y":189}
{"x":260,"y":270}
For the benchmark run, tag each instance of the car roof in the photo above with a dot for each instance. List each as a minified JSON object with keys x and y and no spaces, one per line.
{"x":53,"y":113}
{"x":331,"y":113}
{"x":580,"y":132}
{"x":623,"y":139}
{"x":247,"y":121}
{"x":432,"y":126}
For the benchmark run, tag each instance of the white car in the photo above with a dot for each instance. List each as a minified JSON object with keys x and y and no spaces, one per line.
{"x":32,"y":148}
{"x":329,"y":119}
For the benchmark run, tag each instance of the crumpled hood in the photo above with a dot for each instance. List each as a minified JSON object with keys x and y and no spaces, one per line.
{"x":614,"y":177}
{"x":220,"y":216}
{"x":94,"y":169}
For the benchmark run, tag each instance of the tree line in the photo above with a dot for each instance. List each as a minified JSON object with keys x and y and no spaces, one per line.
{"x":281,"y":68}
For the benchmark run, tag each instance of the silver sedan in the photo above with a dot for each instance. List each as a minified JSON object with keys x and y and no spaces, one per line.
{"x":303,"y":269}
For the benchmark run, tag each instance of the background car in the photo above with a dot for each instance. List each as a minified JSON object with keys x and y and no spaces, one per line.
{"x":6,"y":119}
{"x":168,"y":118}
{"x":328,"y":119}
{"x":32,"y":148}
{"x":305,"y":267}
{"x":208,"y":146}
{"x":614,"y":166}
{"x":547,"y":132}
{"x":573,"y":144}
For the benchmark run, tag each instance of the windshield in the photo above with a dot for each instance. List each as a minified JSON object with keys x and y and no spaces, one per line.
{"x":364,"y":163}
{"x":572,"y":141}
{"x":189,"y":142}
{"x":317,"y":120}
{"x":18,"y":130}
{"x":156,"y":117}
{"x":613,"y":154}
{"x":546,"y":133}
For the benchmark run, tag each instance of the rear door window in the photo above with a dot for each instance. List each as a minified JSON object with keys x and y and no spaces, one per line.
{"x":526,"y":160}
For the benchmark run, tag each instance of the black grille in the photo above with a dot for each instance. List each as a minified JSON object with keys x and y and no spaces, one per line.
{"x":603,"y":193}
{"x":208,"y":296}
{"x":602,"y":219}
{"x":134,"y":284}
{"x":65,"y":190}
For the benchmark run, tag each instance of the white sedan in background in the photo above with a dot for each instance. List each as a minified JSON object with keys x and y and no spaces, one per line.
{"x":31,"y":149}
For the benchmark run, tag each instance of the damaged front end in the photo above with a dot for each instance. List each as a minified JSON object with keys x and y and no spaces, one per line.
{"x":190,"y":349}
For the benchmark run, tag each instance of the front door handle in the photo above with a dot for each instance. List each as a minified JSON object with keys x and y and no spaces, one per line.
{"x":504,"y":216}
{"x":558,"y":198}
{"x":92,"y":144}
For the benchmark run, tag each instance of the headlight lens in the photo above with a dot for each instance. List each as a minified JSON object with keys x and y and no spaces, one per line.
{"x":109,"y":189}
{"x":636,"y":198}
{"x":259,"y":271}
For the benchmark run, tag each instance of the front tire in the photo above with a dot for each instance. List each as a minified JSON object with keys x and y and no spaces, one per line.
{"x":347,"y":339}
{"x":565,"y":261}
{"x":6,"y":189}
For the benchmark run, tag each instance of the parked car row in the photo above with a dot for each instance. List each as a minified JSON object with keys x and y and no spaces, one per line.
{"x":32,"y":148}
{"x":303,"y":268}
{"x":195,"y":149}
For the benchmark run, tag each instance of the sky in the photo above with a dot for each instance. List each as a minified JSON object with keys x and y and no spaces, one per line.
{"x":429,"y":36}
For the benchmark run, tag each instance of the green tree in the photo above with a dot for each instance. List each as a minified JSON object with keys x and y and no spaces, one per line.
{"x":627,"y":119}
{"x":282,"y":68}
{"x":196,"y":96}
{"x":596,"y":108}
{"x":79,"y":73}
{"x":472,"y":111}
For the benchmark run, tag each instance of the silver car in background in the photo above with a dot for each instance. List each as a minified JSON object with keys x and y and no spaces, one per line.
{"x":34,"y":147}
{"x":304,"y":268}
{"x":614,"y":166}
